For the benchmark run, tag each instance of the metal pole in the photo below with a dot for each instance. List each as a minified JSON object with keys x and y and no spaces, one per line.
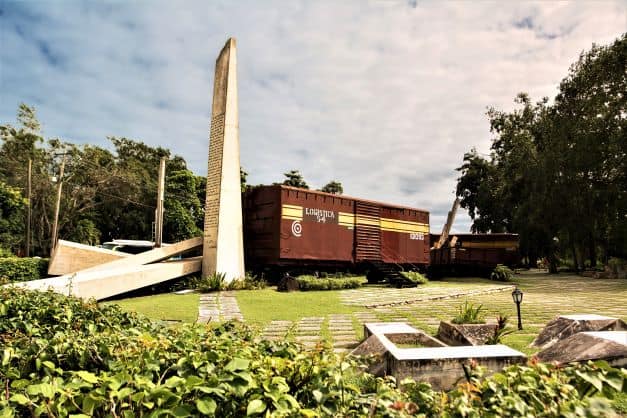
{"x":58,"y":204}
{"x":159,"y":211}
{"x":28,"y":216}
{"x":519,"y":318}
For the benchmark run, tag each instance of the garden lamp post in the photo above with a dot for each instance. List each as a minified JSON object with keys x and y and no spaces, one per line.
{"x":517,"y":295}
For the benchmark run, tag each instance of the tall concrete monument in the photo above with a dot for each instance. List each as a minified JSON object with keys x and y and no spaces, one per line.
{"x":223,"y":243}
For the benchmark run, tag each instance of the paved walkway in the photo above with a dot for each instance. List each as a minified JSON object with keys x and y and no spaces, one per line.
{"x":374,"y":297}
{"x":219,"y":306}
{"x":343,"y":331}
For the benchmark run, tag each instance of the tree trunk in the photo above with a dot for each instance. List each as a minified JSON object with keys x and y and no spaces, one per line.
{"x":593,"y":252}
{"x":575,"y":261}
{"x":552,"y":263}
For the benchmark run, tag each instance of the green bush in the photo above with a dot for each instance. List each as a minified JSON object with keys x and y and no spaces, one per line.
{"x":500,"y":331}
{"x":217,"y":282}
{"x":249,"y":282}
{"x":502,"y":273}
{"x":65,"y":357}
{"x":414,"y":277}
{"x":307,"y":282}
{"x":14,"y":269}
{"x":469,"y":314}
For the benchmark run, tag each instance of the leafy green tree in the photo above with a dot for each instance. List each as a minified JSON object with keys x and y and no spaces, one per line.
{"x":85,"y":232}
{"x":19,"y":144}
{"x":333,"y":187}
{"x":12,"y":217}
{"x":295,"y":179}
{"x":557,"y":174}
{"x":242,"y":179}
{"x":183,"y":209}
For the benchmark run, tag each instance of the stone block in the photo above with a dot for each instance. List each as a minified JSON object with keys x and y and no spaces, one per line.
{"x":610,"y":346}
{"x":564,"y":326}
{"x":465,"y":334}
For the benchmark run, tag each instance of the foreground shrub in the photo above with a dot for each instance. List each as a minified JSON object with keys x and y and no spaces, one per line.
{"x":414,"y":277}
{"x":62,"y":357}
{"x":307,"y":282}
{"x":15,"y":269}
{"x":502,"y":273}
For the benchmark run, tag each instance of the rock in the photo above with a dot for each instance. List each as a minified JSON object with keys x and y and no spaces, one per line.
{"x":465,"y":334}
{"x":287,"y":284}
{"x":564,"y":326}
{"x":610,"y":346}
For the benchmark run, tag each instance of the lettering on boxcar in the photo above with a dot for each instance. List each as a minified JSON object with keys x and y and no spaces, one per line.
{"x":417,"y":236}
{"x":320,"y":215}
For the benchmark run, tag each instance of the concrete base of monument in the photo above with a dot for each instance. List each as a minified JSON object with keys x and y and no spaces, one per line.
{"x":431,"y":361}
{"x":122,"y":275}
{"x":564,"y":326}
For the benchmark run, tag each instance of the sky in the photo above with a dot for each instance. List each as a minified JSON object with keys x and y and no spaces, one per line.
{"x":383,"y":96}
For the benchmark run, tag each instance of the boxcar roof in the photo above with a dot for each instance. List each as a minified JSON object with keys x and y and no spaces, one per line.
{"x":343,"y":196}
{"x":488,"y":234}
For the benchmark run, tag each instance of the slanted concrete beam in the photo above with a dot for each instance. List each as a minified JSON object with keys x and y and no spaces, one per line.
{"x":151,"y":256}
{"x":101,"y":284}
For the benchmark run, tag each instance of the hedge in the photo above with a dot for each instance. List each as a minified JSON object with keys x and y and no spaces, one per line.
{"x":64,"y":357}
{"x":414,"y":277}
{"x":14,"y":269}
{"x":307,"y":282}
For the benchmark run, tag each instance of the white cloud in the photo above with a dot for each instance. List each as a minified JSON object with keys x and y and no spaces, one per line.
{"x":382,"y":96}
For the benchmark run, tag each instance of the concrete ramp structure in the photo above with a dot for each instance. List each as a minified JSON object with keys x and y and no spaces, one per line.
{"x":125,"y":274}
{"x":69,"y":257}
{"x":106,"y":283}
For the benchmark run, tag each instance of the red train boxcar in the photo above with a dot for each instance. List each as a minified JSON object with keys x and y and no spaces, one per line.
{"x":474,"y":253}
{"x":286,"y":226}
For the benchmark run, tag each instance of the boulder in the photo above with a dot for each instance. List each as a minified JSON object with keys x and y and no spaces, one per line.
{"x":564,"y":326}
{"x":465,"y":334}
{"x":610,"y":346}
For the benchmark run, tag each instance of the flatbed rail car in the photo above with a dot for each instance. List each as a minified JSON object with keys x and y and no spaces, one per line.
{"x":291,"y":228}
{"x":474,"y":253}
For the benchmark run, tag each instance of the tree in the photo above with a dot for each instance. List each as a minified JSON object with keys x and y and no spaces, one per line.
{"x":182,"y":207}
{"x":557,"y":174}
{"x":242,"y":179}
{"x":295,"y":179}
{"x":333,"y":187}
{"x":12,"y":210}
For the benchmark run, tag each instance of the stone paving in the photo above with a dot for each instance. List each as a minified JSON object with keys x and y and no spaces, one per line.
{"x":374,"y":297}
{"x":220,"y":306}
{"x":343,"y":331}
{"x":545,"y":297}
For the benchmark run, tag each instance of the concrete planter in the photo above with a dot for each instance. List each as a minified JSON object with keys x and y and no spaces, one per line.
{"x":465,"y":334}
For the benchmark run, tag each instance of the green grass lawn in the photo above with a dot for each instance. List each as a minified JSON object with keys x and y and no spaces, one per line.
{"x":259,"y":307}
{"x":163,"y":307}
{"x":545,"y":297}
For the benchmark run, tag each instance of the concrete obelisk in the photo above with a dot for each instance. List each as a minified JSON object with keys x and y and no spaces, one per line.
{"x":223,"y":244}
